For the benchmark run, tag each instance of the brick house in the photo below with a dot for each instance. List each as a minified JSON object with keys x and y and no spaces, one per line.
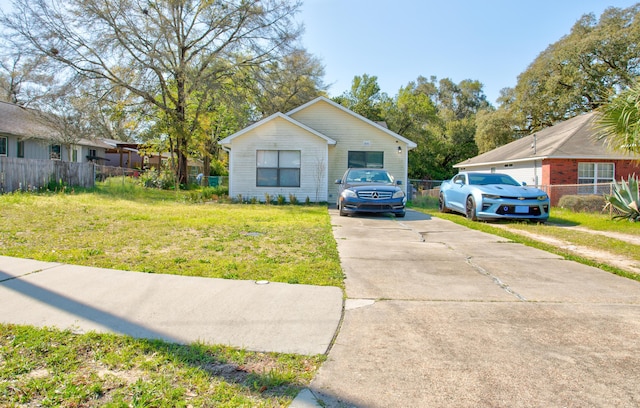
{"x":566,"y":154}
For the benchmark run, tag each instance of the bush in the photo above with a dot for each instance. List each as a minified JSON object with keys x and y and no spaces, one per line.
{"x":583,"y":203}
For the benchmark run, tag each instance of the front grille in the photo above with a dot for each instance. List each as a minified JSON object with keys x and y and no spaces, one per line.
{"x":511,"y":210}
{"x":374,"y":207}
{"x":375,"y":195}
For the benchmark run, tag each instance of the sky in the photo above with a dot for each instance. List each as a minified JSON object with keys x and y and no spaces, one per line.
{"x":491,"y":41}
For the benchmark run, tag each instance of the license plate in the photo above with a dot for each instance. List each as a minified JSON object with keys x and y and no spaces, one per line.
{"x":521,"y":209}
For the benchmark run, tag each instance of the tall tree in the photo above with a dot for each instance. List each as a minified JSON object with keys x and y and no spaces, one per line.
{"x":163,"y":52}
{"x":364,"y":98}
{"x":286,"y":84}
{"x":577,"y":73}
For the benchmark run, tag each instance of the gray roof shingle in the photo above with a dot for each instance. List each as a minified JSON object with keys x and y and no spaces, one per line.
{"x":573,"y":138}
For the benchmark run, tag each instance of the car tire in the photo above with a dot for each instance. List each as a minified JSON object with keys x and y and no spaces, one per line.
{"x":400,"y":215}
{"x":442,"y":204}
{"x":470,"y":209}
{"x":341,"y":209}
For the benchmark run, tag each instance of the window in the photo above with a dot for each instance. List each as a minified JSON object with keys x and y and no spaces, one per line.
{"x":54,"y":152}
{"x":373,"y":160}
{"x":594,"y":174}
{"x":75,"y":156}
{"x":3,"y":146}
{"x":278,"y":168}
{"x":21,"y":148}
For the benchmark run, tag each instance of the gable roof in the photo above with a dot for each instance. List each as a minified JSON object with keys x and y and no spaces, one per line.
{"x":25,"y":123}
{"x":574,"y":138}
{"x":410,"y":144}
{"x":227,"y":140}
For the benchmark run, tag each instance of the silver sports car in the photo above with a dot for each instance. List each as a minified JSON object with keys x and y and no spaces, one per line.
{"x":491,"y":196}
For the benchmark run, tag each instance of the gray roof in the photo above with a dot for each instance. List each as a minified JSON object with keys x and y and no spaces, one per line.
{"x":574,"y":138}
{"x":27,"y":123}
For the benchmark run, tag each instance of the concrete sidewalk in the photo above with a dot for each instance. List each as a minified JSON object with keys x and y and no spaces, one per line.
{"x":256,"y":316}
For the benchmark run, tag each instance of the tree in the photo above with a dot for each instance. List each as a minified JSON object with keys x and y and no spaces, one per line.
{"x":163,"y":52}
{"x":440,"y":117}
{"x":578,"y":73}
{"x":364,"y":98}
{"x":619,"y":121}
{"x":284,"y":85}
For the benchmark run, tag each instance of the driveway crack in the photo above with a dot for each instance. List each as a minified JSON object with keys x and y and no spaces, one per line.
{"x":496,"y":280}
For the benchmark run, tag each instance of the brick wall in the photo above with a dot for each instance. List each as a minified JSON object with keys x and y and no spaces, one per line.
{"x":565,"y":172}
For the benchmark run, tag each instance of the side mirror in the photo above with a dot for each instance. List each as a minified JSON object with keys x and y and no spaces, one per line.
{"x":458,"y":182}
{"x":524,"y":183}
{"x":399,"y":182}
{"x":338,"y":181}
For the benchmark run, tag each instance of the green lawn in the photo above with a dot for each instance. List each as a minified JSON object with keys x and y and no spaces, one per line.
{"x":164,"y":233}
{"x":156,"y":231}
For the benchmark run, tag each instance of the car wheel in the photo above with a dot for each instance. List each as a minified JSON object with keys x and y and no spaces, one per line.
{"x":442,"y":205}
{"x":400,"y":215}
{"x":471,"y":209}
{"x":341,"y":209}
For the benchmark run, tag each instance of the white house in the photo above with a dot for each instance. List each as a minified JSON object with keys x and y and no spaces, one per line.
{"x":303,"y":152}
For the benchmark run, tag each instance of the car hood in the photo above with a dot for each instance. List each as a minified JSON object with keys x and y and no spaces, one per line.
{"x":372,"y":186}
{"x":511,"y":191}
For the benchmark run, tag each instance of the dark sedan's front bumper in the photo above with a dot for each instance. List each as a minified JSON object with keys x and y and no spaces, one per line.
{"x":373,"y":206}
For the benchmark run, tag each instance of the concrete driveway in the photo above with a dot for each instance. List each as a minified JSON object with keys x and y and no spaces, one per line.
{"x":438,"y":315}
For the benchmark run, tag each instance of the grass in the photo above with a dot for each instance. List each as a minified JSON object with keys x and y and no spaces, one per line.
{"x":49,"y":367}
{"x":556,"y":228}
{"x":121,"y":226}
{"x":165,"y":232}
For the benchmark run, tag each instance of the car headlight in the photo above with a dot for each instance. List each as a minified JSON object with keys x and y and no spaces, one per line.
{"x":349,"y":193}
{"x":543,"y":197}
{"x":398,"y":194}
{"x":491,"y":196}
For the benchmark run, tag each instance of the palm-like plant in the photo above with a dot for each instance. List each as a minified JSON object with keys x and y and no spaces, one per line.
{"x":625,"y":198}
{"x":619,"y":125}
{"x":619,"y":121}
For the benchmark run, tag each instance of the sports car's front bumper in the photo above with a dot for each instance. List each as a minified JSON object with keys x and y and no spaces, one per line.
{"x":529,"y":209}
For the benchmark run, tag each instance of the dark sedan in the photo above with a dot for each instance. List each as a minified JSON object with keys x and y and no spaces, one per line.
{"x":370,"y":191}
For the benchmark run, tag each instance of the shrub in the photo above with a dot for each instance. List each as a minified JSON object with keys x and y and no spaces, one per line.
{"x":626,"y":199}
{"x":582,"y":203}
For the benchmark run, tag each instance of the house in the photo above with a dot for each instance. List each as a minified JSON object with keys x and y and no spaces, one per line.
{"x":23,"y":134}
{"x":568,"y":153}
{"x":302,"y":153}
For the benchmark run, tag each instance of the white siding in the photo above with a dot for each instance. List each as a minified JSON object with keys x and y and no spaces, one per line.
{"x":279,"y":134}
{"x":352,"y":134}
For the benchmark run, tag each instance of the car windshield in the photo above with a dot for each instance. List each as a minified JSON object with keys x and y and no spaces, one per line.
{"x":369,"y":176}
{"x":483,"y":179}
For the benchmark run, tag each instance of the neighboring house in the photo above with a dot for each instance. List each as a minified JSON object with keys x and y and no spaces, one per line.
{"x":123,"y":154}
{"x":23,"y":134}
{"x":568,"y":153}
{"x":302,"y":153}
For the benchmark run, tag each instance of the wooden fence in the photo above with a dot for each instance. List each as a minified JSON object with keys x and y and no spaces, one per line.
{"x":34,"y":174}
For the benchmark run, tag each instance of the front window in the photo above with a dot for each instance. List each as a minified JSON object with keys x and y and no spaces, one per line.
{"x":278,"y":168}
{"x":3,"y":146}
{"x":54,"y":152}
{"x":374,"y":160}
{"x":598,"y":176}
{"x":21,"y":148}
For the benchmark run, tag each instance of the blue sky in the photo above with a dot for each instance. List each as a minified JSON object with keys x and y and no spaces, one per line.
{"x":491,"y":41}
